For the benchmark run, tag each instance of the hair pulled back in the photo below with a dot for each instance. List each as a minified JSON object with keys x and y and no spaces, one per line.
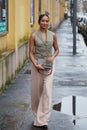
{"x":41,"y":16}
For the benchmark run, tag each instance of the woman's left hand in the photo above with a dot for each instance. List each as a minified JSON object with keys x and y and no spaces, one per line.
{"x":49,"y":59}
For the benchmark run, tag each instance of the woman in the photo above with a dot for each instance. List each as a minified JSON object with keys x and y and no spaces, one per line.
{"x":41,"y":43}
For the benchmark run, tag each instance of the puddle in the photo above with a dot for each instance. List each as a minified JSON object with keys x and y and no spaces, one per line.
{"x":72,"y":83}
{"x":12,"y":118}
{"x":76,"y":106}
{"x":7,"y":122}
{"x":24,"y":106}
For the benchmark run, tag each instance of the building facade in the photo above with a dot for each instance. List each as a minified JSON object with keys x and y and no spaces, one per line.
{"x":79,"y":5}
{"x":17,"y":22}
{"x":85,"y":6}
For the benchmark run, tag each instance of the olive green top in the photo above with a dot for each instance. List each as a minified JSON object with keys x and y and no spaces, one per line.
{"x":43,"y":48}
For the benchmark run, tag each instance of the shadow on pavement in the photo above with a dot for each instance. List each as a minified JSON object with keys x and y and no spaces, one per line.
{"x":35,"y":128}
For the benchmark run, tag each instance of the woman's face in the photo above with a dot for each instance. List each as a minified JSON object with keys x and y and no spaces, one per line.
{"x":44,"y":22}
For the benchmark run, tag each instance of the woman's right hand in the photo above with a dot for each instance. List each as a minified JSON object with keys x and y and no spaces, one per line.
{"x":39,"y":66}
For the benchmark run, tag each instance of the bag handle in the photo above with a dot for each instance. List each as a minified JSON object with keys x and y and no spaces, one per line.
{"x":45,"y":73}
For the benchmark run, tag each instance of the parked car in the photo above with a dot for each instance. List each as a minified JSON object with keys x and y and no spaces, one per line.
{"x":82,"y":24}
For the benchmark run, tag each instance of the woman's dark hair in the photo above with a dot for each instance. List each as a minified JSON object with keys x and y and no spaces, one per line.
{"x":41,"y":16}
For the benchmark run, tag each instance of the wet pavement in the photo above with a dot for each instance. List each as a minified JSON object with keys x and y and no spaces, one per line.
{"x":69,"y":100}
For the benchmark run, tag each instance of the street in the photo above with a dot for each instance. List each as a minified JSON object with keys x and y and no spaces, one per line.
{"x":69,"y":100}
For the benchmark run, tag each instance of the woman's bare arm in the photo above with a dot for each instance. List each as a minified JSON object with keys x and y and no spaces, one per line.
{"x":31,"y":49}
{"x":31,"y":52}
{"x":56,"y":48}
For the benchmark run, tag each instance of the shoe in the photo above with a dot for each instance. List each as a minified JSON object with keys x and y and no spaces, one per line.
{"x":43,"y":126}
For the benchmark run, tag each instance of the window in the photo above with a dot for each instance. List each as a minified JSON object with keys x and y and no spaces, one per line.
{"x":39,"y":9}
{"x":3,"y":16}
{"x":31,"y":11}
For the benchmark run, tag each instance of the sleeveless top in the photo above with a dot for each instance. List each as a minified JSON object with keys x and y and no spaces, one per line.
{"x":43,"y":48}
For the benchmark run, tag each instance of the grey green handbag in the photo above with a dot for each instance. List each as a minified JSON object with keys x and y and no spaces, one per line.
{"x":48,"y":66}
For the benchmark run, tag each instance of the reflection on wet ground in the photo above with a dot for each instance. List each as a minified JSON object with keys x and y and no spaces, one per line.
{"x":76,"y":106}
{"x":10,"y":119}
{"x":7,"y":122}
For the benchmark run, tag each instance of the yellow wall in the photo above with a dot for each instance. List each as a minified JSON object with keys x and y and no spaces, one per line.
{"x":55,"y":7}
{"x":62,"y":8}
{"x":3,"y":43}
{"x":35,"y":14}
{"x":42,"y":6}
{"x":11,"y":27}
{"x":19,"y":21}
{"x":18,"y":24}
{"x":19,"y":27}
{"x":26,"y":17}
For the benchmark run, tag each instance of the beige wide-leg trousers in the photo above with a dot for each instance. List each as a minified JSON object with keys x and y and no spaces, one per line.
{"x":41,"y":96}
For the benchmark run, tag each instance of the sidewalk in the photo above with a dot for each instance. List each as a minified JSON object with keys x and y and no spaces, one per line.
{"x":70,"y":82}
